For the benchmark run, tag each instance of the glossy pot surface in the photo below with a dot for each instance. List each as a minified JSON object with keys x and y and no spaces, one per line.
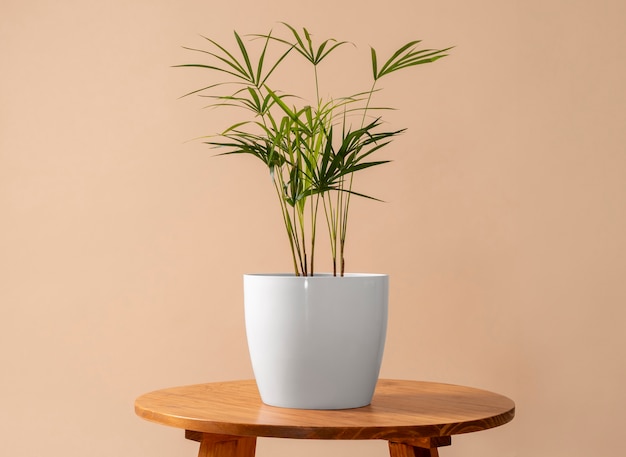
{"x":316,"y":342}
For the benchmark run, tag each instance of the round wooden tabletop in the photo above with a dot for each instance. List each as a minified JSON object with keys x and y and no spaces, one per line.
{"x":400,"y":410}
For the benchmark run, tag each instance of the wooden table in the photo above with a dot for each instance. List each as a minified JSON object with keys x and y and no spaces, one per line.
{"x":414,"y":417}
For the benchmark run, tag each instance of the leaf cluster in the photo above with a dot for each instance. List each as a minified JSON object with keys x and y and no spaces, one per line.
{"x":312,"y":152}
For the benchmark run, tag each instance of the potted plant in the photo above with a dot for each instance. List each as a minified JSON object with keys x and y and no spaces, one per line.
{"x":316,"y":340}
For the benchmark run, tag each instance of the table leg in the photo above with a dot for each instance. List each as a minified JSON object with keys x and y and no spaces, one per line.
{"x":421,"y":447}
{"x":212,"y":445}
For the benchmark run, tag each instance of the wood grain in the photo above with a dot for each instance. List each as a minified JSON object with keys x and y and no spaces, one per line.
{"x":227,"y":446}
{"x":405,"y":450}
{"x":401,"y":411}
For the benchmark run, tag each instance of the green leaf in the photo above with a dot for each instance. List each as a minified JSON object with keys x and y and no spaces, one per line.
{"x":246,"y":57}
{"x":407,"y":56}
{"x":374,"y":63}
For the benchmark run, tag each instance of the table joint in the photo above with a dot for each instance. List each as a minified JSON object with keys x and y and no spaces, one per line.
{"x":425,"y":442}
{"x":218,"y":445}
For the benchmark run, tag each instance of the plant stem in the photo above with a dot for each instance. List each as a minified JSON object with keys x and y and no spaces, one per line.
{"x":287,"y":223}
{"x":367,"y":104}
{"x":332,"y":230}
{"x":317,"y":87}
{"x":313,"y":230}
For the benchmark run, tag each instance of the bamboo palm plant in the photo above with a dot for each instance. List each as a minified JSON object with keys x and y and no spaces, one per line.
{"x":312,"y":150}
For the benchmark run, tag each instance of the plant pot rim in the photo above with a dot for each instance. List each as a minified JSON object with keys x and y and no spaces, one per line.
{"x":316,"y":276}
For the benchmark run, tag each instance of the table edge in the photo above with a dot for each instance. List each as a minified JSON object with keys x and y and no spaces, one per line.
{"x":328,"y":432}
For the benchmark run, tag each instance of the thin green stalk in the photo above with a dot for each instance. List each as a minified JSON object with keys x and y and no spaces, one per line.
{"x":367,"y":104}
{"x":288,"y":227}
{"x":314,"y":213}
{"x":344,"y":230}
{"x":300,"y":214}
{"x":297,"y":242}
{"x":291,"y":229}
{"x":317,"y":87}
{"x":340,"y":216}
{"x":332,"y":229}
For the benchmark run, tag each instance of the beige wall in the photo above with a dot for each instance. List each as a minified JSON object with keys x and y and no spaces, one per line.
{"x":122,"y":245}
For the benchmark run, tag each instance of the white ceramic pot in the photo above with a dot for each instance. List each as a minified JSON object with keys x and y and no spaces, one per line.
{"x":316,"y":342}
